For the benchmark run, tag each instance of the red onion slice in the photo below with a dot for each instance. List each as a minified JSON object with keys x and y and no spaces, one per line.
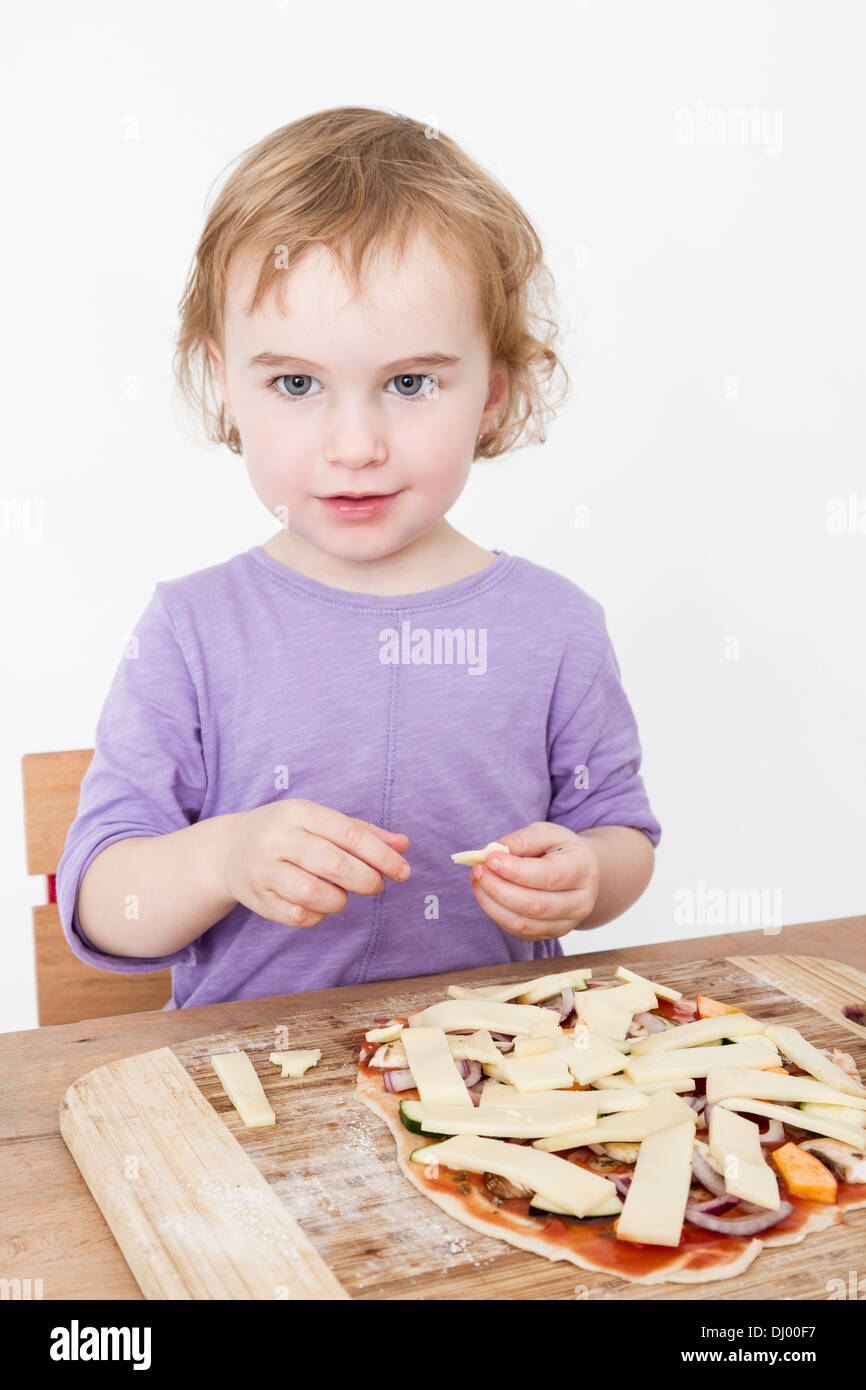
{"x":504,"y":1041}
{"x":737,"y":1225}
{"x":400,"y":1079}
{"x":473,"y":1074}
{"x":651,"y":1022}
{"x":562,"y":1003}
{"x":707,"y":1176}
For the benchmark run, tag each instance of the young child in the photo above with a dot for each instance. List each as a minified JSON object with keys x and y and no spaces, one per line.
{"x":291,"y":730}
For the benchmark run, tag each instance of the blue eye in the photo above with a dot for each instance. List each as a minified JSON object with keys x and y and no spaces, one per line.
{"x":297,"y":386}
{"x":408,"y":380}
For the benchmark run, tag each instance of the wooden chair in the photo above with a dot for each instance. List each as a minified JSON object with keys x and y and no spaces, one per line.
{"x":67,"y":990}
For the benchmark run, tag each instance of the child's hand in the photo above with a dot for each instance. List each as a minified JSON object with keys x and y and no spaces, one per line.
{"x":294,"y":861}
{"x":544,"y":887}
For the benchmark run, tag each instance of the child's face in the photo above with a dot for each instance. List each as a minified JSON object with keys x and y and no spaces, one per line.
{"x":349,"y":408}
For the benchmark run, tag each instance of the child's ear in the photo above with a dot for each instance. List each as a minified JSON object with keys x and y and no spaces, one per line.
{"x":497,"y":393}
{"x":219,"y":370}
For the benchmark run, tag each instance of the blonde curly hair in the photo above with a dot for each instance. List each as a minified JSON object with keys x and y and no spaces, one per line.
{"x":357,"y":180}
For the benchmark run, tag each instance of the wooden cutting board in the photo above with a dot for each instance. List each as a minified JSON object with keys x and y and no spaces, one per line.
{"x":316,"y":1206}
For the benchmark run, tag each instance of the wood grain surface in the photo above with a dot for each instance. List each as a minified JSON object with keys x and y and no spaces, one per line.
{"x":331,"y":1164}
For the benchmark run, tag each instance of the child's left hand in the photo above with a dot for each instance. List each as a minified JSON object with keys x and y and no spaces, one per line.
{"x":544,"y":887}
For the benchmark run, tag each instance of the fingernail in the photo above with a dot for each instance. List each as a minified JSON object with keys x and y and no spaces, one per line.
{"x":495,"y":861}
{"x":405,"y":870}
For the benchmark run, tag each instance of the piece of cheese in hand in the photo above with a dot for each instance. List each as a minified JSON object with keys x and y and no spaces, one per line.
{"x":735,"y":1144}
{"x":433,"y":1068}
{"x":296,"y":1063}
{"x":655,"y":1204}
{"x":478,"y":856}
{"x":243,"y":1088}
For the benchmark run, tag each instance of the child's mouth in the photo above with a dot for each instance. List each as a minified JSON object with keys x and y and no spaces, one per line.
{"x":359,"y":508}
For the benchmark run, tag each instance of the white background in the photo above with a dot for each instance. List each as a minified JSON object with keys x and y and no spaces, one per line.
{"x":713,"y":295}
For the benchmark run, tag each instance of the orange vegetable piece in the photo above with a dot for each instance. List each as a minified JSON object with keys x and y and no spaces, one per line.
{"x":804,"y":1174}
{"x":711,"y":1008}
{"x":779,"y":1069}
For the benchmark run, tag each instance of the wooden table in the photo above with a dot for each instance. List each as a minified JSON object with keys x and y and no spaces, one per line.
{"x":50,"y":1227}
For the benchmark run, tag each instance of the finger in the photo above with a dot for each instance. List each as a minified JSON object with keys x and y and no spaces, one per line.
{"x":557,"y":872}
{"x":533,"y":904}
{"x":293,"y":882}
{"x":275,"y":909}
{"x":328,"y":861}
{"x":516,"y":925}
{"x":359,"y":837}
{"x":389,"y":835}
{"x":536,"y":838}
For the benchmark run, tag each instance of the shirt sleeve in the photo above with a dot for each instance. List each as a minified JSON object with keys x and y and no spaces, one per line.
{"x":595,"y":755}
{"x":147,"y":775}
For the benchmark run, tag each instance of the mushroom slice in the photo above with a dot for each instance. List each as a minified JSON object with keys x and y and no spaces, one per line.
{"x":503,"y":1188}
{"x":845,"y":1163}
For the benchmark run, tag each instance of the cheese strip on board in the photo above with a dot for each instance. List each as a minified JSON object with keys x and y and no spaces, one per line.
{"x":243,"y":1088}
{"x":296,"y":1063}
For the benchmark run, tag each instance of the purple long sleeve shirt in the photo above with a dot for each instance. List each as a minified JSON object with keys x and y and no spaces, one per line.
{"x":454,"y":715}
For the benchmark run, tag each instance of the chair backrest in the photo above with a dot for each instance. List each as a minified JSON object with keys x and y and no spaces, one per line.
{"x":67,"y":990}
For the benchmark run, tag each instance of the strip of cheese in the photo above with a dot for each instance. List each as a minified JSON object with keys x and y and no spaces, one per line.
{"x":607,"y":1102}
{"x":609,"y":1207}
{"x":844,"y":1114}
{"x":700,"y":1061}
{"x":773,"y":1086}
{"x":478,"y":856}
{"x":663,"y":992}
{"x":296,"y":1063}
{"x":655,"y":1204}
{"x":547,"y":986}
{"x":243,"y":1088}
{"x":735,"y":1144}
{"x":492,"y":1092}
{"x":816,"y":1124}
{"x":664,"y":1109}
{"x":544,"y":987}
{"x":478,"y":1047}
{"x":800,"y":1051}
{"x":512,"y":1120}
{"x":433,"y":1069}
{"x":389,"y":1033}
{"x":622,"y":1083}
{"x":577,"y":1190}
{"x":705,"y":1030}
{"x":592,"y":1057}
{"x":542,"y":1073}
{"x":610,"y":1011}
{"x":485,"y":1013}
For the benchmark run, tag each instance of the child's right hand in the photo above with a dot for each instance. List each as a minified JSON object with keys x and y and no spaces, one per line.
{"x":277,"y":852}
